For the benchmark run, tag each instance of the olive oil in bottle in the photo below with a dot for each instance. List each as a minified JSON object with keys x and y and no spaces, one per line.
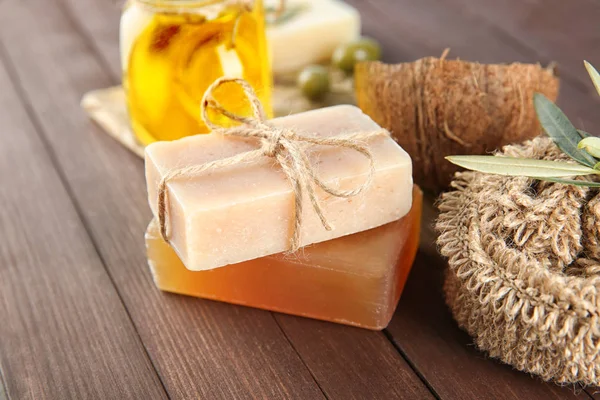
{"x":173,"y":50}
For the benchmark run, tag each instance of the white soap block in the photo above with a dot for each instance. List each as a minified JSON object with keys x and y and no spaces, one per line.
{"x":311,"y":35}
{"x":245,"y":211}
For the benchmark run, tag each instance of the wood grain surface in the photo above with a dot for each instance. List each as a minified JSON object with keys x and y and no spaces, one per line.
{"x":64,"y":332}
{"x":404,"y":383}
{"x":350,"y":363}
{"x":427,"y":27}
{"x":199,"y":348}
{"x":80,"y":315}
{"x":551,"y":30}
{"x":422,"y":327}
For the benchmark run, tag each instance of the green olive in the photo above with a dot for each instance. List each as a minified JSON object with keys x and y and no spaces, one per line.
{"x":347,"y":55}
{"x":313,"y":81}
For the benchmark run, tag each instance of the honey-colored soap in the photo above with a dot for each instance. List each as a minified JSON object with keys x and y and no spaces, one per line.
{"x":355,"y":280}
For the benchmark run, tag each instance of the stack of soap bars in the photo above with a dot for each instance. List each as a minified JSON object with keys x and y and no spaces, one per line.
{"x":229,"y":228}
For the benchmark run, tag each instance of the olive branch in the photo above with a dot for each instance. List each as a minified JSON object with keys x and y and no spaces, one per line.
{"x":579,"y":145}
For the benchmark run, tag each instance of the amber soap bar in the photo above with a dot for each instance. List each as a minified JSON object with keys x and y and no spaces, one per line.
{"x":355,"y":280}
{"x":243,"y":212}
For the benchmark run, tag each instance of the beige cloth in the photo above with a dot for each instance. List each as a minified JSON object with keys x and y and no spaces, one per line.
{"x":524,"y":268}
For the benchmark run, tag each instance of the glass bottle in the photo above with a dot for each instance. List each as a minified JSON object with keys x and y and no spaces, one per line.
{"x":172,"y":50}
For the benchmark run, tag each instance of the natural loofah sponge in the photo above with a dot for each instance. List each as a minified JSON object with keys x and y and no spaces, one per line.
{"x":524,"y":268}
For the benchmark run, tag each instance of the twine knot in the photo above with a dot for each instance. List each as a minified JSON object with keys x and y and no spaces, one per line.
{"x":273,"y":144}
{"x":285,"y":145}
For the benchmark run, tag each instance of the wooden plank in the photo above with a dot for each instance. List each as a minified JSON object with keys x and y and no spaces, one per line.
{"x":406,"y":47}
{"x":446,"y":356}
{"x":352,"y":363}
{"x":399,"y":47}
{"x":201,"y":349}
{"x":426,"y":28}
{"x":327,"y":350}
{"x":64,"y":332}
{"x":565,"y":32}
{"x":423,"y":328}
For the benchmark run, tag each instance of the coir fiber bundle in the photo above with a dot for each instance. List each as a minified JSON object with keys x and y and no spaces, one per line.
{"x":436,"y":107}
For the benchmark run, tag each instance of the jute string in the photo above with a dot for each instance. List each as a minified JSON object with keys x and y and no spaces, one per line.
{"x":524,"y":268}
{"x":287,"y":147}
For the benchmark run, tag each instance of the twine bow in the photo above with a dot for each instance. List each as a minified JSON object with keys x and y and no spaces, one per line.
{"x":285,"y":145}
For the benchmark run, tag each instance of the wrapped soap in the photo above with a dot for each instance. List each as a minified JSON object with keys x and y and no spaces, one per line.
{"x":308,"y":31}
{"x":355,"y":280}
{"x":249,"y":209}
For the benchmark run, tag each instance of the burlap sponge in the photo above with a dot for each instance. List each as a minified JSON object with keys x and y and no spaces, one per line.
{"x":524,"y":268}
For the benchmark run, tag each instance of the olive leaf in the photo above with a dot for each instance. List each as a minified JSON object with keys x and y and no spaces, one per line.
{"x":577,"y":144}
{"x":569,"y":181}
{"x":512,"y":166}
{"x":591,"y":145}
{"x":594,"y":75}
{"x":556,"y":124}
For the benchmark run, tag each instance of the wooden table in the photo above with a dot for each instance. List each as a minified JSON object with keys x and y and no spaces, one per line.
{"x":79,"y":314}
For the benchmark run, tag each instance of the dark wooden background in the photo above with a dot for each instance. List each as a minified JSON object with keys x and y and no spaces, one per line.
{"x":79,"y":314}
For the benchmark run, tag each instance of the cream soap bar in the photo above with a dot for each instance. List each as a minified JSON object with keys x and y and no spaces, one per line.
{"x":311,"y":33}
{"x":245,"y":211}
